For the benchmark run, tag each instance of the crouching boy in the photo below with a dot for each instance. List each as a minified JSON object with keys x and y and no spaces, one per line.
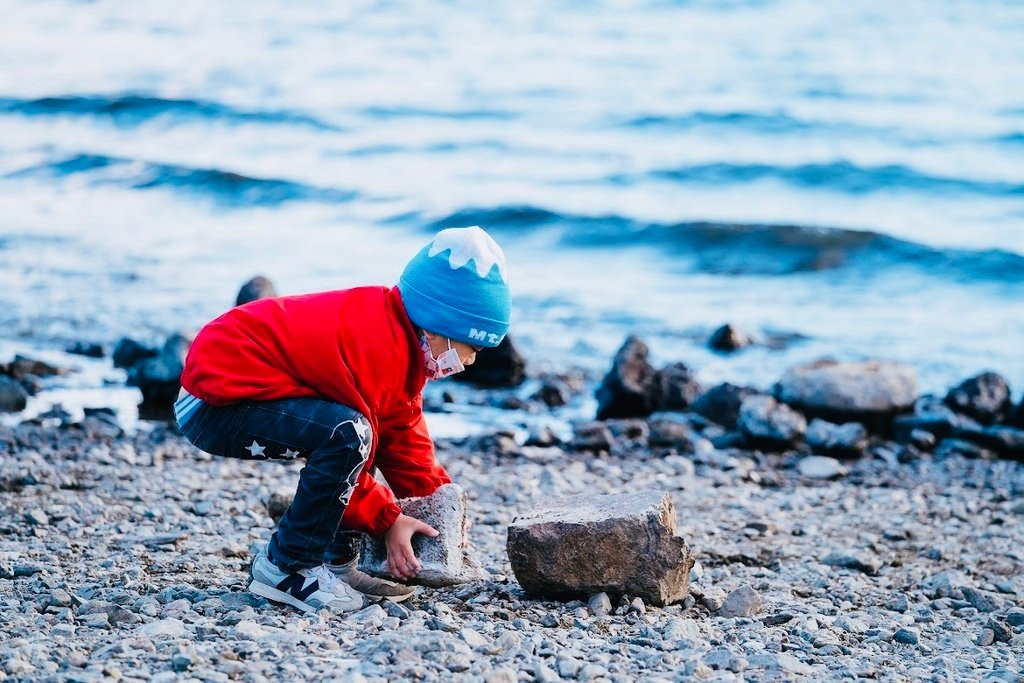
{"x":335,"y":378}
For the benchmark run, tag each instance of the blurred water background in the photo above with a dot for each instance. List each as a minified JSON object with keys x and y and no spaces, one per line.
{"x":848,"y":176}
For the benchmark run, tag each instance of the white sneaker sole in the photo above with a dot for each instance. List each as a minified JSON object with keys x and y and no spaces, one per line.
{"x":271,"y":593}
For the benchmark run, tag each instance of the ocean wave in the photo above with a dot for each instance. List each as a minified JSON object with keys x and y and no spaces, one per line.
{"x":839,"y":176}
{"x":399,"y":112}
{"x":224,"y":187}
{"x":763,"y":123}
{"x":135,"y":109}
{"x":754,"y":249}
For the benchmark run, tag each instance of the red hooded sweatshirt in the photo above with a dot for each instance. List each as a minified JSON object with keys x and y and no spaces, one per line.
{"x":356,"y":347}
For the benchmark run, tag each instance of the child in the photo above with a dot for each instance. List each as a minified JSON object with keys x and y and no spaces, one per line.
{"x":336,"y":378}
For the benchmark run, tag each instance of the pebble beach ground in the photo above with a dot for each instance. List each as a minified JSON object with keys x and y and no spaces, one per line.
{"x":124,"y":557}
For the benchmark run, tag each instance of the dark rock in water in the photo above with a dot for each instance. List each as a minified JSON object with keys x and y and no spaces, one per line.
{"x":871,"y":392}
{"x":1016,"y":417}
{"x":729,"y":338}
{"x":770,"y":424}
{"x":631,"y":388}
{"x":622,"y":543}
{"x":89,"y":349}
{"x":985,"y":397}
{"x":721,"y":403}
{"x":32,"y":384}
{"x":158,"y":378}
{"x":848,"y":440}
{"x":23,"y":366}
{"x":502,"y":366}
{"x":257,"y":288}
{"x":128,"y":352}
{"x":1007,"y":441}
{"x":553,"y":394}
{"x":678,"y":387}
{"x":591,"y":436}
{"x":56,"y":412}
{"x":13,"y":397}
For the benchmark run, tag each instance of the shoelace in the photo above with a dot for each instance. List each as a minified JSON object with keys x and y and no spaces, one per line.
{"x":332,"y":583}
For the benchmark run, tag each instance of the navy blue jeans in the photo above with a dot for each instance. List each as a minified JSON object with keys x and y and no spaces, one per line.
{"x":333,"y":439}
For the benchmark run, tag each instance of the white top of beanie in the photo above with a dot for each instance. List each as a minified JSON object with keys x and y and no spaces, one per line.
{"x":470,"y":244}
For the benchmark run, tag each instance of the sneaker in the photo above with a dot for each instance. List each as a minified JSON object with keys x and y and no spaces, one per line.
{"x":371,"y":587}
{"x":310,"y":589}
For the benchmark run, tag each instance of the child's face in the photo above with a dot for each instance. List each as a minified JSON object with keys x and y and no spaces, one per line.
{"x":439,"y":344}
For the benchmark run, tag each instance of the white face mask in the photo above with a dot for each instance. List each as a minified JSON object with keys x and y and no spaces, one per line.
{"x":445,"y":365}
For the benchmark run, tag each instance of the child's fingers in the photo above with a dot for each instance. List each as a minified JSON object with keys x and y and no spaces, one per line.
{"x":427,"y":530}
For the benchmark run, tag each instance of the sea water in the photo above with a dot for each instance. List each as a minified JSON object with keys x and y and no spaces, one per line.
{"x":848,"y":177}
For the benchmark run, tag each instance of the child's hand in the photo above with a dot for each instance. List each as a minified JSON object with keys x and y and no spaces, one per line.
{"x":402,"y":562}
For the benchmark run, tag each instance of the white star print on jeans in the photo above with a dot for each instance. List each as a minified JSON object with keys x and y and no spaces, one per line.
{"x":255,"y":449}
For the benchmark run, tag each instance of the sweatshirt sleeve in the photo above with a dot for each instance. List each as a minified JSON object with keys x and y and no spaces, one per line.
{"x":371,"y":508}
{"x":406,"y":457}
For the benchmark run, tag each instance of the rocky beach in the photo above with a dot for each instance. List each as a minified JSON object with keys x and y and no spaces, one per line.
{"x":887,"y":548}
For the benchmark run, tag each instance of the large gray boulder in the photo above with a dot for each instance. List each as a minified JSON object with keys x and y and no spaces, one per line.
{"x":871,"y":392}
{"x":622,"y":543}
{"x":445,"y":560}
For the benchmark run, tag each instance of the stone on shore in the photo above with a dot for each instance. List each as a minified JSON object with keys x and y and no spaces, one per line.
{"x":624,"y":544}
{"x":766,"y":422}
{"x":444,"y":560}
{"x":728,"y":337}
{"x":820,"y":467}
{"x":933,"y":416}
{"x":13,"y":397}
{"x":985,"y":398}
{"x":871,"y":391}
{"x":721,"y":404}
{"x":592,"y":436}
{"x":502,"y":366}
{"x":278,"y":503}
{"x":742,"y":602}
{"x":631,"y":388}
{"x":678,"y":388}
{"x":128,"y":352}
{"x":257,"y":288}
{"x":159,"y":378}
{"x":847,"y":440}
{"x":1007,"y":441}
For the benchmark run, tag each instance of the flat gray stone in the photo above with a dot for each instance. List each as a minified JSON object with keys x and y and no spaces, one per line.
{"x":444,"y":560}
{"x":833,"y":388}
{"x":613,"y":543}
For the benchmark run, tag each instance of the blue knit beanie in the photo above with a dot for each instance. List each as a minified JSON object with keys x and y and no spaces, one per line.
{"x":457,"y":286}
